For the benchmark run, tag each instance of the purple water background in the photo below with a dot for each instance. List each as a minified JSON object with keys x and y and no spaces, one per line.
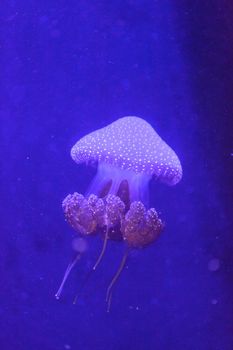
{"x":68,"y":68}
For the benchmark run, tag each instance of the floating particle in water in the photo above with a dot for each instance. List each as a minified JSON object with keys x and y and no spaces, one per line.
{"x":214,"y":265}
{"x":79,"y":245}
{"x":67,"y":347}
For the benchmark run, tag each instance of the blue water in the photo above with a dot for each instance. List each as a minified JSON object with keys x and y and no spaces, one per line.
{"x":69,"y":68}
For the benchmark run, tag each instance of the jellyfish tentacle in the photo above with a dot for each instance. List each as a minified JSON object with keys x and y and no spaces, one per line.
{"x":109,"y":302}
{"x":115,"y":278}
{"x":67,"y":272}
{"x":114,"y":209}
{"x":99,"y":259}
{"x":78,"y":293}
{"x":103,"y":249}
{"x":110,"y":216}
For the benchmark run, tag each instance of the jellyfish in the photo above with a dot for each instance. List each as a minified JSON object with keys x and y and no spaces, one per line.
{"x":128,"y":154}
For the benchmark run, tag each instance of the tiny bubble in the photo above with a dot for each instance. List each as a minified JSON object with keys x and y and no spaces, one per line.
{"x":214,"y":265}
{"x":79,"y":245}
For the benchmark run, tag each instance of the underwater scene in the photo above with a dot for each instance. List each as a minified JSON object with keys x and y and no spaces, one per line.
{"x":116,"y":175}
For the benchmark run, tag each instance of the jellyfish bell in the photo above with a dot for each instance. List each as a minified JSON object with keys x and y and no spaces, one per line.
{"x":128,"y":153}
{"x":128,"y":150}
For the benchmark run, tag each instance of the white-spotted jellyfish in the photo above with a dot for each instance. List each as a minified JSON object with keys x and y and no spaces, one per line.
{"x":128,"y":154}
